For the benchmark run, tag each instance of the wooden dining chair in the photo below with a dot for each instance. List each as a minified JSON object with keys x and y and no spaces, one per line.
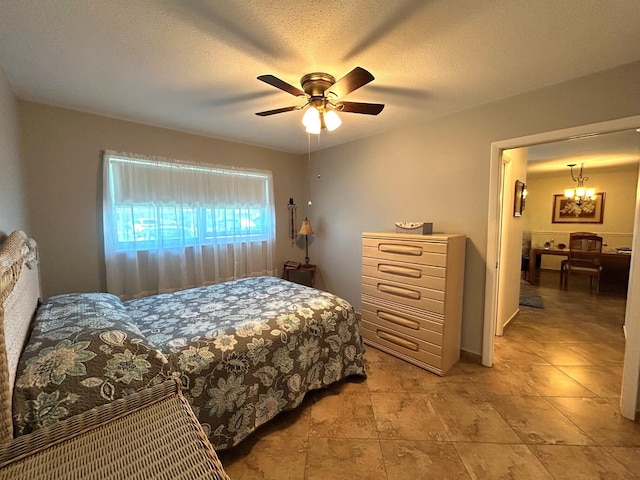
{"x":585,"y":258}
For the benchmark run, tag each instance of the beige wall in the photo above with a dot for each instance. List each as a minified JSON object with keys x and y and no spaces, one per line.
{"x":439,"y":172}
{"x":62,"y":155}
{"x":515,"y":168}
{"x":13,"y":214}
{"x":618,"y":184}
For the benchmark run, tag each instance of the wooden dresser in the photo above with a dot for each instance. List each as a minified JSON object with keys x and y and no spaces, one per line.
{"x":412,"y":296}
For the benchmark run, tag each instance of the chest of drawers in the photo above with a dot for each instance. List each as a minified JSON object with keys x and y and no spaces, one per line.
{"x":412,"y":289}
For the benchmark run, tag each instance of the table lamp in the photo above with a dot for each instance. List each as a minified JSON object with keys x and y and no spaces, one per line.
{"x":306,"y":230}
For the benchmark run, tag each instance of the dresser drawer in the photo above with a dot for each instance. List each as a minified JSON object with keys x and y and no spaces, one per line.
{"x":425,"y":253}
{"x":406,"y":345}
{"x":403,"y":308}
{"x":402,"y":322}
{"x":414,"y":274}
{"x":418,"y":297}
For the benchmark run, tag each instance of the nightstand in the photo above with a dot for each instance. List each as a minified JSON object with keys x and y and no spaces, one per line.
{"x":298,"y":274}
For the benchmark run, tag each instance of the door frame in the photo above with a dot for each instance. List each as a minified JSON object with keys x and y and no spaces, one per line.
{"x":631,"y":370}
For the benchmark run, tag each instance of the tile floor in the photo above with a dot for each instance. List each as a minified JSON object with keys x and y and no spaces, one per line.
{"x":548,"y":409}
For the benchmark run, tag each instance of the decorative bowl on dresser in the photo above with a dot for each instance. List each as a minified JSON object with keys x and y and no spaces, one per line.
{"x":412,"y":289}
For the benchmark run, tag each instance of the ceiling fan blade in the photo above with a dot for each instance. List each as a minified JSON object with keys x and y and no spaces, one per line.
{"x":281,"y":84}
{"x":359,"y":107}
{"x":277,"y":110}
{"x":353,"y":80}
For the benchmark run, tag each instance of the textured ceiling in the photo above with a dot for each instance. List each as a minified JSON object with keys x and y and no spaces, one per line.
{"x":192,"y":65}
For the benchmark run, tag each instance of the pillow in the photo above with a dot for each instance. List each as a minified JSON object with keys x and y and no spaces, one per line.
{"x":91,"y":311}
{"x":84,"y":351}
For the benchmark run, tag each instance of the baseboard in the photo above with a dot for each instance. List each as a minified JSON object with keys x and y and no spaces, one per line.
{"x":511,"y":319}
{"x":471,"y":357}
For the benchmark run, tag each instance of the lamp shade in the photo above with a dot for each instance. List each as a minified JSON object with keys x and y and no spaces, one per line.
{"x":314,"y":128}
{"x":332,"y":120}
{"x":311,"y":117}
{"x":311,"y":120}
{"x":305,"y":229}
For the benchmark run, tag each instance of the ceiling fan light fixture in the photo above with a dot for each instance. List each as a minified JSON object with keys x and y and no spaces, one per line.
{"x":311,"y":117}
{"x":332,"y":120}
{"x":314,"y":126}
{"x":314,"y":129}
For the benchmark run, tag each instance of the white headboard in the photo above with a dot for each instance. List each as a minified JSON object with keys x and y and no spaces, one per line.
{"x":19,"y":296}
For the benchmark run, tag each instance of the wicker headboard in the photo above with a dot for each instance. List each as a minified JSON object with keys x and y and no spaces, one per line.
{"x":19,"y":296}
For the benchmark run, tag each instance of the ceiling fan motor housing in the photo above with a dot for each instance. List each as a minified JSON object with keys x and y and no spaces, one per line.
{"x":316,"y":83}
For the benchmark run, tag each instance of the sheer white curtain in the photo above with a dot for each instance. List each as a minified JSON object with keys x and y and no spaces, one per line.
{"x":170,"y":225}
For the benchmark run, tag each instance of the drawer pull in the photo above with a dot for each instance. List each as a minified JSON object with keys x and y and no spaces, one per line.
{"x":399,"y":291}
{"x":397,"y":340}
{"x":400,"y":249}
{"x":397,"y":270}
{"x":398,"y":320}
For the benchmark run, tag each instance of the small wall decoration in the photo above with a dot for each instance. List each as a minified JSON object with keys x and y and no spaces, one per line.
{"x":518,"y":199}
{"x":293,"y":233}
{"x":568,"y":210}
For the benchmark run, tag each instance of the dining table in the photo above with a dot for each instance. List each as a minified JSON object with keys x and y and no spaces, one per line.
{"x":615,"y":263}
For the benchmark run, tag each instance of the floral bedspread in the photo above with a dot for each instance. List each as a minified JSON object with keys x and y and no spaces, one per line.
{"x":244,"y":351}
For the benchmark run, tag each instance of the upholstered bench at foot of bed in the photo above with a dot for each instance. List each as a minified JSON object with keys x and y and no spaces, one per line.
{"x":152,"y":433}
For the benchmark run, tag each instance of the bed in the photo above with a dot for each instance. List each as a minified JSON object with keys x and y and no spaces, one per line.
{"x":243,"y":350}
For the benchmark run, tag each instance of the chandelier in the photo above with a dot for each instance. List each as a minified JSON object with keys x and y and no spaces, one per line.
{"x":580,"y":193}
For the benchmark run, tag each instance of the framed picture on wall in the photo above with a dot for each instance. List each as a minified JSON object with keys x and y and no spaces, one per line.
{"x":518,"y":199}
{"x":567,"y":210}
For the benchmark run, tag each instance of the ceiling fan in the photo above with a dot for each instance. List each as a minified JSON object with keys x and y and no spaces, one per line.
{"x":323,"y":98}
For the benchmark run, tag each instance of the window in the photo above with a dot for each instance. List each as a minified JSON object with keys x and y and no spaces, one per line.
{"x":164,"y":207}
{"x":141,"y":227}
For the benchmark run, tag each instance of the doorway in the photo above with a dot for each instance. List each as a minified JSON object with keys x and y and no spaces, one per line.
{"x":495,"y":249}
